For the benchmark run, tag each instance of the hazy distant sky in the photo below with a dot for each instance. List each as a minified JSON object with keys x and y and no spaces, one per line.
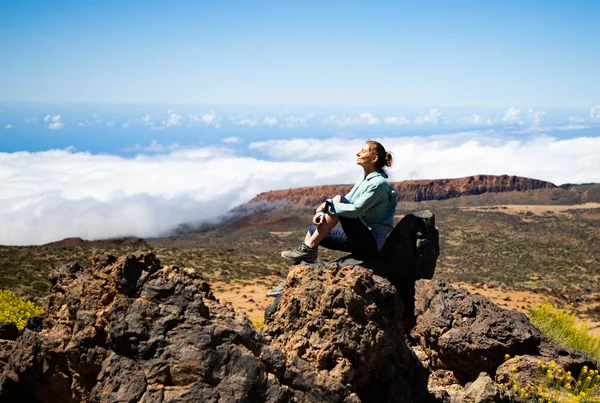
{"x":132,"y":117}
{"x":394,"y":53}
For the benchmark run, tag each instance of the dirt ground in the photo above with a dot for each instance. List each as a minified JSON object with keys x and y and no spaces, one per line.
{"x":534,"y":209}
{"x":250,"y":297}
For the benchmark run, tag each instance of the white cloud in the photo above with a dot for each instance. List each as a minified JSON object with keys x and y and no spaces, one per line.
{"x":144,"y":120}
{"x":153,"y":147}
{"x":56,"y":126}
{"x":54,"y":122}
{"x":550,"y":129}
{"x":209,"y":118}
{"x":512,"y":116}
{"x":361,"y":118}
{"x":150,"y":194}
{"x":474,"y":119}
{"x":84,"y":124}
{"x":270,"y":121}
{"x":292,"y":121}
{"x":430,"y":117}
{"x":368,"y":118}
{"x":396,"y":120}
{"x":535,"y":116}
{"x":577,"y":119}
{"x":307,"y":149}
{"x":231,"y":140}
{"x":174,"y":120}
{"x":9,"y":126}
{"x":458,"y":155}
{"x":243,"y":121}
{"x":595,"y":112}
{"x":110,"y":124}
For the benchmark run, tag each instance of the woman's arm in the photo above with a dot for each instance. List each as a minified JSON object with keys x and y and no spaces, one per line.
{"x":362,"y":204}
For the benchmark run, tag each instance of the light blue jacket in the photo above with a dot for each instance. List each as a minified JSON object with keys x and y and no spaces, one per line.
{"x":371,"y":199}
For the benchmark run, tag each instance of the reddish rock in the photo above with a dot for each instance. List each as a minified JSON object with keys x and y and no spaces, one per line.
{"x":413,"y":190}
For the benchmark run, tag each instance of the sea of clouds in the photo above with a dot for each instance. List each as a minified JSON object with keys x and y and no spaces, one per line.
{"x":47,"y":196}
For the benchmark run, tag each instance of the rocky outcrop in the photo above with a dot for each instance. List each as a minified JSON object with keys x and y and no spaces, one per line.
{"x":410,"y":253}
{"x":468,"y":334}
{"x":347,"y":321}
{"x":128,"y":330}
{"x":442,"y":189}
{"x":412,"y":190}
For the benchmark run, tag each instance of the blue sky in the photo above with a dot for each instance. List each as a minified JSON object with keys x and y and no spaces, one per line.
{"x":429,"y":53}
{"x":132,"y":117}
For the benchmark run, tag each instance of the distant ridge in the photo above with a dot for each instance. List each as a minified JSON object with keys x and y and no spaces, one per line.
{"x":104,"y":243}
{"x":412,"y":190}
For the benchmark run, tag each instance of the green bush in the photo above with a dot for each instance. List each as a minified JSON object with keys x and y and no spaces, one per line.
{"x":561,"y":327}
{"x":16,"y":310}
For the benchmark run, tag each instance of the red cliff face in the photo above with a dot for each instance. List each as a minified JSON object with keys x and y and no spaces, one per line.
{"x":413,"y":190}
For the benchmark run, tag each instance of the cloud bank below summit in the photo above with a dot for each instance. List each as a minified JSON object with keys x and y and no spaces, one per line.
{"x":55,"y":194}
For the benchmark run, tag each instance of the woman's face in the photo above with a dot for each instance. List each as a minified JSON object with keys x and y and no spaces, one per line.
{"x":365,"y":157}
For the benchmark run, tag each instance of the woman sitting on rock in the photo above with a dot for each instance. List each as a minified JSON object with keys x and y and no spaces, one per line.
{"x":366,"y":213}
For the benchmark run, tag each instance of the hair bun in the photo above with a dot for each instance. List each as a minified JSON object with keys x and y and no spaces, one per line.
{"x":389,"y":157}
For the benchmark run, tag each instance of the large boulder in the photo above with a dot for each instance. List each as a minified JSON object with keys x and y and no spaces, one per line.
{"x":128,"y":330}
{"x":345,"y":320}
{"x":468,"y":334}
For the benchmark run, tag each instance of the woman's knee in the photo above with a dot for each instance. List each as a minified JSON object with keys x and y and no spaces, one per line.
{"x":337,"y":198}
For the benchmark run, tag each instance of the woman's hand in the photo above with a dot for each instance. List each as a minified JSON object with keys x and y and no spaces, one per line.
{"x":319,"y":218}
{"x":321,"y":208}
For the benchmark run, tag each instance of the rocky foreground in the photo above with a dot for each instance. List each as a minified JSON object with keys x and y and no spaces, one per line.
{"x":130,"y":330}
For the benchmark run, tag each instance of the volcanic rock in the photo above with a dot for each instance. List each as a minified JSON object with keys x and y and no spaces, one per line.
{"x":483,"y":390}
{"x":128,"y":329}
{"x":468,"y":334}
{"x":347,"y":321}
{"x":526,"y":369}
{"x":410,"y":253}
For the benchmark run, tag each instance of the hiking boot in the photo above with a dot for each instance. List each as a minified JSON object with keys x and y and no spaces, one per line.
{"x":301,"y":253}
